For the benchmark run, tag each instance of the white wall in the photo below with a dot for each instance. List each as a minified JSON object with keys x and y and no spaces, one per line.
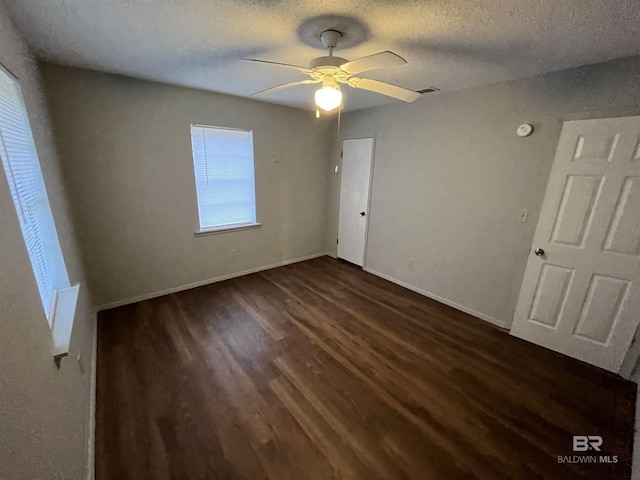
{"x":127,"y":160}
{"x":43,"y":411}
{"x":451,"y":177}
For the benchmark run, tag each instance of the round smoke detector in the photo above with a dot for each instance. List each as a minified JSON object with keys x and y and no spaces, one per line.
{"x":352,"y":31}
{"x":525,"y":130}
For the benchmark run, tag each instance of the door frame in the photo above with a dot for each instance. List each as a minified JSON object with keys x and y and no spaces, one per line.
{"x":369,"y":192}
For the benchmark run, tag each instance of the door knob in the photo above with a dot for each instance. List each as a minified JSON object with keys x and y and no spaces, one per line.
{"x":362,"y":214}
{"x":539,"y":252}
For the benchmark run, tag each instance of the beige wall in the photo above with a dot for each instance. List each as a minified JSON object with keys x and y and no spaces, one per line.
{"x":43,"y":411}
{"x":127,"y":160}
{"x":451,"y":177}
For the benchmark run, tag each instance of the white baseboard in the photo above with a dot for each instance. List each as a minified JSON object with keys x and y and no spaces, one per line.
{"x":91,"y":430}
{"x":207,"y":281}
{"x":433,"y":296}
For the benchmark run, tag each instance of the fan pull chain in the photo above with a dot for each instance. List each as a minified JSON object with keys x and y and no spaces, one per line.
{"x":338,"y":133}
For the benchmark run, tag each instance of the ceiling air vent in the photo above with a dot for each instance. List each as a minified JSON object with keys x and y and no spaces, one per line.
{"x":428,"y":90}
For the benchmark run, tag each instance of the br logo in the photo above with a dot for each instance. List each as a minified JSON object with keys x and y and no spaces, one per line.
{"x":583,"y":443}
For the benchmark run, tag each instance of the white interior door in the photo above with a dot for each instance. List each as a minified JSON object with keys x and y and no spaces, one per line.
{"x":581,"y":296}
{"x":354,"y":198}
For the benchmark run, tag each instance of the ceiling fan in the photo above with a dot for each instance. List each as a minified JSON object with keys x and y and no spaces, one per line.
{"x":330,"y":71}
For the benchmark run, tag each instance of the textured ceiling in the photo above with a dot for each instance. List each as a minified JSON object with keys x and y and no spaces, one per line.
{"x":451,"y":45}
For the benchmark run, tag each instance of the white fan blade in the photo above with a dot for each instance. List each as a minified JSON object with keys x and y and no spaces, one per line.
{"x":377,"y":60}
{"x":295,"y":67}
{"x":384,"y":88}
{"x":282,"y":87}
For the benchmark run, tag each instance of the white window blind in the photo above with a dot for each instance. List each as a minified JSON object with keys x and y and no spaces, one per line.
{"x":22,"y":169}
{"x":223,"y":165}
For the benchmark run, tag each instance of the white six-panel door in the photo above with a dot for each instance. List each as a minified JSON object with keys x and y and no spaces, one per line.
{"x":354,"y":198}
{"x":582,"y":296}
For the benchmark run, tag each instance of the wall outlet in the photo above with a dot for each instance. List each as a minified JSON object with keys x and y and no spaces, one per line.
{"x":411,"y":263}
{"x":524,"y":213}
{"x":233,"y":253}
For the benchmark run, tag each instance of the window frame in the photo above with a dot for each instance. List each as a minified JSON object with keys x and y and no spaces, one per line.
{"x":231,"y":227}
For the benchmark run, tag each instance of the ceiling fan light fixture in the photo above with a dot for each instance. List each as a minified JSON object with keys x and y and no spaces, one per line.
{"x":328,"y":98}
{"x":332,"y":70}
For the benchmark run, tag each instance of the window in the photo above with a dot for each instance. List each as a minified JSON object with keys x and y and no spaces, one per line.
{"x":26,"y":185}
{"x":225,"y":186}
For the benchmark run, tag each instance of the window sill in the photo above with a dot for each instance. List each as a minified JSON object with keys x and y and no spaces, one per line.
{"x":227,"y":228}
{"x":63,"y":313}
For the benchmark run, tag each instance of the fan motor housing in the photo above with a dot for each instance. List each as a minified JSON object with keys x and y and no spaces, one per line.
{"x":327,"y":62}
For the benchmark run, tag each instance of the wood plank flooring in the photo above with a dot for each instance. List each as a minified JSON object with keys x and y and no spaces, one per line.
{"x":319,"y":370}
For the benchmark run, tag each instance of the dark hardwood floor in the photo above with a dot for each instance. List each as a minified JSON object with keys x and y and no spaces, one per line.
{"x":319,"y":370}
